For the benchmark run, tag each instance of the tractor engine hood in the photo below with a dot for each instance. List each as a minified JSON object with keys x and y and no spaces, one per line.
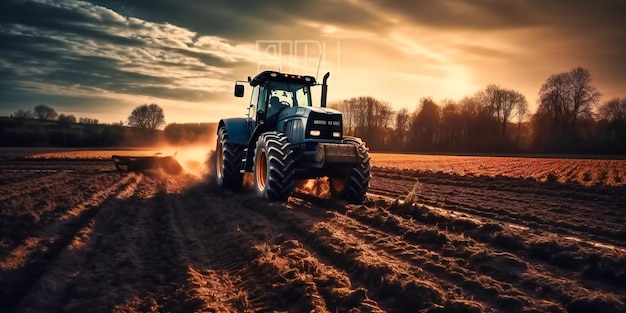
{"x":306,"y":111}
{"x":311,"y":124}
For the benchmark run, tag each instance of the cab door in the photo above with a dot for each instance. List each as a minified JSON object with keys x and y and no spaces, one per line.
{"x":254,"y":108}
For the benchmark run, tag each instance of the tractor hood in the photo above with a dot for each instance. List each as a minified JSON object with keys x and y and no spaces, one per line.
{"x":306,"y":111}
{"x":311,"y":124}
{"x":323,"y":110}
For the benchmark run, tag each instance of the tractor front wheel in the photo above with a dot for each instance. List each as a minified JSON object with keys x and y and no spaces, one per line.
{"x":273,"y":167}
{"x":353,"y":186}
{"x":228,"y":157}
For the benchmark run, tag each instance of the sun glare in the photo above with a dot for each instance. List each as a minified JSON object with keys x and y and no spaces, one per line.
{"x":458,"y":82}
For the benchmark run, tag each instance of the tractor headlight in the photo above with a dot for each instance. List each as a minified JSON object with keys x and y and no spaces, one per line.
{"x":336,"y":134}
{"x":315,"y":133}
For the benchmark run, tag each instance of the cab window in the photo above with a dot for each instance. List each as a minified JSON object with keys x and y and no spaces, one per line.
{"x":254,"y":100}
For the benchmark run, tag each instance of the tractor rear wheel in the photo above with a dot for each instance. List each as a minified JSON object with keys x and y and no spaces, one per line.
{"x":354,"y":185}
{"x":273,"y":166}
{"x":228,"y":157}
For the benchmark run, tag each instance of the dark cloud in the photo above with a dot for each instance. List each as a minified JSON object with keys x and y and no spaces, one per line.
{"x":39,"y":13}
{"x":69,"y":49}
{"x":250,"y":19}
{"x":190,"y":50}
{"x":243,"y":20}
{"x":186,"y":94}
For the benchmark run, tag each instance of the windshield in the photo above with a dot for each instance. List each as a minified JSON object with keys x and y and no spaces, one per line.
{"x":290,"y":94}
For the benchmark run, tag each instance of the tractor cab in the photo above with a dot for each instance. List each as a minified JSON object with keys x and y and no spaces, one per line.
{"x":272,"y":92}
{"x":285,"y":137}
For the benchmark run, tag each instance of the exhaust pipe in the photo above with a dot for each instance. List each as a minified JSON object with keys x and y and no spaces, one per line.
{"x":324,"y":89}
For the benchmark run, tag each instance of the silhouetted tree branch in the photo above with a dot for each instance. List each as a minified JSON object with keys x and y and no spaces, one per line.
{"x":44,"y":112}
{"x":147,"y":117}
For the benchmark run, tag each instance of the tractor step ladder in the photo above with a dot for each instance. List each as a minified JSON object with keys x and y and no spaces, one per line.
{"x":242,"y":169}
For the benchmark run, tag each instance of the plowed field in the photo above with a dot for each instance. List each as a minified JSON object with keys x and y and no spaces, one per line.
{"x":77,"y":236}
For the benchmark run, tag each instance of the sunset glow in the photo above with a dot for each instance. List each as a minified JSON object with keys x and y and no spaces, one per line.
{"x":100,"y":58}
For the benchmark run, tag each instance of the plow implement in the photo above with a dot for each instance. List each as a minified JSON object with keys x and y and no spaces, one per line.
{"x":167,"y":164}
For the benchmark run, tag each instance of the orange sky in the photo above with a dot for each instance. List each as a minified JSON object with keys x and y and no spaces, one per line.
{"x":100,"y":59}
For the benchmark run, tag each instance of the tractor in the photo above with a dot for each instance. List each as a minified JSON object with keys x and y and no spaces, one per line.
{"x":284,"y":138}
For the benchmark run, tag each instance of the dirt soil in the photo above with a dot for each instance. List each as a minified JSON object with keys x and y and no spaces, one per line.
{"x":77,"y":236}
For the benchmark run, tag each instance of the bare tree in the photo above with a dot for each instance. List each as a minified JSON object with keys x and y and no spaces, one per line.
{"x":424,"y":126}
{"x":613,"y":111}
{"x":147,"y":117}
{"x":565,"y":99}
{"x":383,"y":117}
{"x":451,"y":127}
{"x":66,"y":120}
{"x":87,"y":120}
{"x":522,"y":111}
{"x":583,"y":96}
{"x":349,"y":114}
{"x":368,"y":118}
{"x":402,"y":127}
{"x":502,"y":103}
{"x":44,"y":112}
{"x":23,"y":114}
{"x":472,"y":126}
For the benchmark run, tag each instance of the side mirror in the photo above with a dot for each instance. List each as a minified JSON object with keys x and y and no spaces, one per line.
{"x":239,"y":91}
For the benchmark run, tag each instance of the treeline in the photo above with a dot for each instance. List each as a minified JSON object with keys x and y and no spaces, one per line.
{"x":19,"y":132}
{"x":190,"y":133}
{"x":44,"y":127}
{"x":569,"y":119}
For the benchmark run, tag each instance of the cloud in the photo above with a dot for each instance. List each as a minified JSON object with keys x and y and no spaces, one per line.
{"x":250,"y":20}
{"x":187,"y":54}
{"x":72,"y":49}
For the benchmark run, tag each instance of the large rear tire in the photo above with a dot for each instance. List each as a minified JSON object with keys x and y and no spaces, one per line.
{"x":273,"y":167}
{"x":354,"y":185}
{"x":228,"y":157}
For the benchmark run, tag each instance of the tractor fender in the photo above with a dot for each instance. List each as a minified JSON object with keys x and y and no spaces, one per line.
{"x":238,"y":129}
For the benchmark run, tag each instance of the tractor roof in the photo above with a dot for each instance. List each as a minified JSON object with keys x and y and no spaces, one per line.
{"x":281,"y":77}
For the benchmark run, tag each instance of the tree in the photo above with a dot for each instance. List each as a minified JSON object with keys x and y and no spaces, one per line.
{"x":565,"y":99}
{"x":522,"y":111}
{"x":368,"y":118}
{"x":23,"y":114}
{"x":402,"y":127}
{"x":451,"y":127}
{"x":66,"y":120}
{"x":502,"y":103}
{"x":612,"y":124}
{"x":613,"y":111}
{"x":472,"y":124}
{"x":44,"y":112}
{"x":424,"y":126}
{"x":147,"y":117}
{"x":87,"y":120}
{"x":568,"y":97}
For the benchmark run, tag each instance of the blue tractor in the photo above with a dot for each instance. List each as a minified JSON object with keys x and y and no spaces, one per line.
{"x":284,"y":137}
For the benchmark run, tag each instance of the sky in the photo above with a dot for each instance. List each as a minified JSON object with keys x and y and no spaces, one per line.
{"x":102,"y":58}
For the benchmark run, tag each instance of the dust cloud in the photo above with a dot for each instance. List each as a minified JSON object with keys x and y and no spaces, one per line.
{"x":317,"y":187}
{"x":195,"y":159}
